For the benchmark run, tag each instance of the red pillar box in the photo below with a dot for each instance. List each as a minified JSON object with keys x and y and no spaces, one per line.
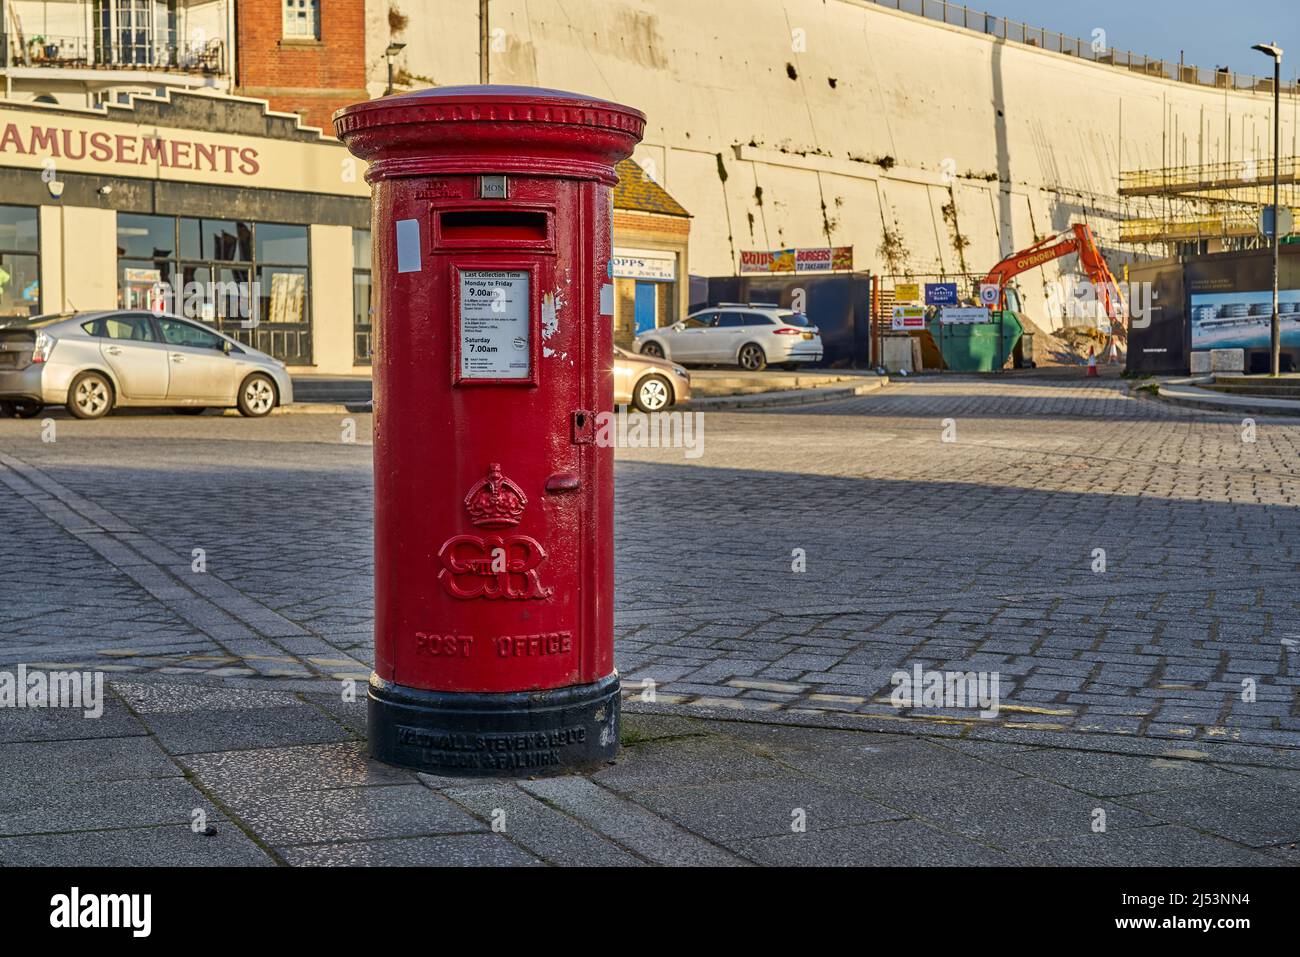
{"x":494,"y":505}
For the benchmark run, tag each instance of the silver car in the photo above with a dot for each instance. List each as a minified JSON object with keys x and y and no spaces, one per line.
{"x":752,"y":336}
{"x":651,"y":385}
{"x":94,"y":362}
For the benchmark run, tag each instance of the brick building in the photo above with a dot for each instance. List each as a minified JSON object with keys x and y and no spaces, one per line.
{"x":651,"y":242}
{"x":304,"y":56}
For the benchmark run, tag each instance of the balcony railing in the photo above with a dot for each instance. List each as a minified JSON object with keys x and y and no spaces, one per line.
{"x":1096,"y":49}
{"x":85,"y":53}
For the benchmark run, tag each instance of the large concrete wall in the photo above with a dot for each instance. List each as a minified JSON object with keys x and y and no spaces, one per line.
{"x":927,"y":148}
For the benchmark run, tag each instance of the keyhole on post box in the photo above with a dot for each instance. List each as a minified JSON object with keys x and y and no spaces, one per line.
{"x":584,"y":427}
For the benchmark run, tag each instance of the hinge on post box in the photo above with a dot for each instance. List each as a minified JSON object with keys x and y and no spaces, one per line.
{"x":584,"y":426}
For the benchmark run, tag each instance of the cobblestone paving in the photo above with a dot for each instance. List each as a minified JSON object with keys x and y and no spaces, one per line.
{"x":977,"y":554}
{"x":972,"y":554}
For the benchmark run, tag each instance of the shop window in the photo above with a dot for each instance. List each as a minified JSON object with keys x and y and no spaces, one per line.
{"x":146,"y":237}
{"x":20,"y":262}
{"x":362,"y":301}
{"x":146,"y":251}
{"x":217,"y":239}
{"x":249,"y":280}
{"x":285,"y":245}
{"x":282,"y":272}
{"x":302,"y":19}
{"x":282,"y":294}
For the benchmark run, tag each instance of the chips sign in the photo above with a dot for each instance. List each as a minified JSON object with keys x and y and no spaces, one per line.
{"x":907,"y":292}
{"x":908,"y":317}
{"x":941,"y":294}
{"x":811,"y":259}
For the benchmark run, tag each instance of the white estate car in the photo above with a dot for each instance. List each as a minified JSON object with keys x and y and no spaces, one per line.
{"x":752,"y":336}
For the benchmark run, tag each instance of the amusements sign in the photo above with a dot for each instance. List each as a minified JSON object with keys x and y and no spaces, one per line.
{"x":84,"y":142}
{"x":811,"y":259}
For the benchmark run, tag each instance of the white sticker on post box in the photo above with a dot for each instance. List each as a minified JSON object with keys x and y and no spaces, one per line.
{"x":495,"y":331}
{"x":408,"y":245}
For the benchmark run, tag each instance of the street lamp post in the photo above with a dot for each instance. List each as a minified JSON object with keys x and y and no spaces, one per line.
{"x":392,"y":51}
{"x":1275,"y":51}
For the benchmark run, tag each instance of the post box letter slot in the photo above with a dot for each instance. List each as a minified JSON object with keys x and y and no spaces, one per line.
{"x":469,"y":225}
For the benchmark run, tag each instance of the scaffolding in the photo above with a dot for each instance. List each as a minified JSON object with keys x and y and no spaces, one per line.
{"x":1205,"y":207}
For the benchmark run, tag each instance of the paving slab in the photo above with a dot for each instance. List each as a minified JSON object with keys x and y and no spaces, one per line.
{"x":351,"y":814}
{"x":739,"y":810}
{"x":633,"y":827}
{"x":1110,"y":775}
{"x":1253,"y":813}
{"x":350,"y":714}
{"x":175,"y":845}
{"x":546,"y":832}
{"x":272,"y":771}
{"x":453,"y":850}
{"x":670,"y":762}
{"x":883,"y":764}
{"x":160,"y":698}
{"x":886,"y":844}
{"x":61,"y":724}
{"x":1168,"y":845}
{"x":96,"y":805}
{"x":1003,"y":811}
{"x":38,"y":765}
{"x":229,"y":729}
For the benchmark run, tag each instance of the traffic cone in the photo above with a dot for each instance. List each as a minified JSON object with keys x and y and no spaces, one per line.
{"x":1092,"y":361}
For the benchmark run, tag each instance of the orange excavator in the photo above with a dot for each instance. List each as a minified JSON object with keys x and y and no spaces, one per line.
{"x":1077,"y":239}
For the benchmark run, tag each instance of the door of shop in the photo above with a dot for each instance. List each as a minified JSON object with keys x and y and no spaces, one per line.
{"x":645,"y":312}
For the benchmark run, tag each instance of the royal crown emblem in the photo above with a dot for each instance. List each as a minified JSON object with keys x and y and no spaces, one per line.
{"x":495,"y":502}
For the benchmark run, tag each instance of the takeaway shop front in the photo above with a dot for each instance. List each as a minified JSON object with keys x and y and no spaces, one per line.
{"x":210,"y":206}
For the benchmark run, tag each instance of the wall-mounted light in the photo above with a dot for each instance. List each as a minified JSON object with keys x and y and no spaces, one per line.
{"x":392,"y":51}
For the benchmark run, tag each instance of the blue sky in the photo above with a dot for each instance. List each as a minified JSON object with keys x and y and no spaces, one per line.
{"x":1210,"y":33}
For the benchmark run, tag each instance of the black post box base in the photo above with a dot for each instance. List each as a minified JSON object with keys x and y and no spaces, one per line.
{"x":516,"y":734}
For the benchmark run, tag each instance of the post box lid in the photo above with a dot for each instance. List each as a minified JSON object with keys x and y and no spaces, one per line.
{"x":484,"y":129}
